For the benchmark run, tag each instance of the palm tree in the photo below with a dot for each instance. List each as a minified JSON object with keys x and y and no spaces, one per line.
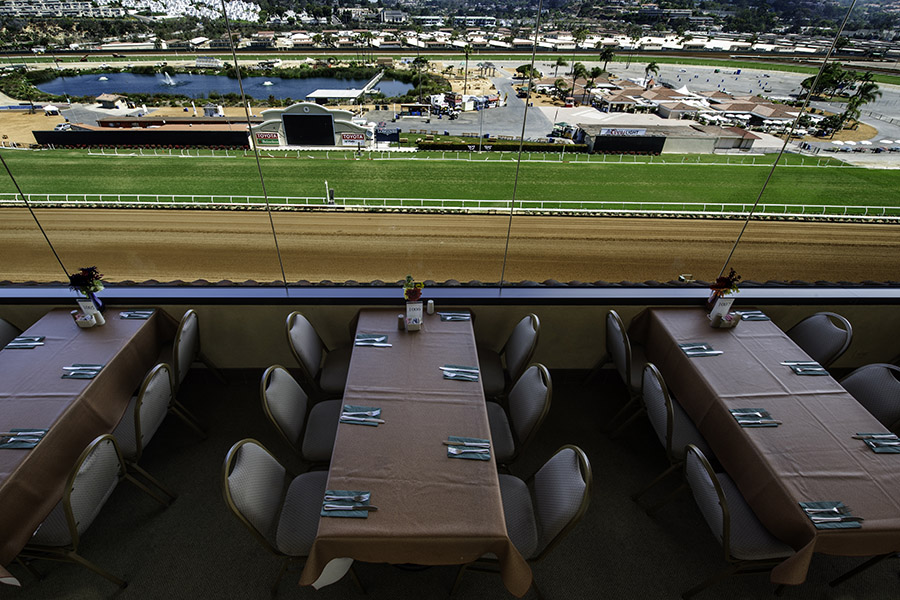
{"x":594,"y":73}
{"x":606,"y":54}
{"x":561,"y":87}
{"x":866,"y":90}
{"x":650,"y":68}
{"x":467,"y":49}
{"x":23,"y":89}
{"x":579,"y":71}
{"x":559,"y":63}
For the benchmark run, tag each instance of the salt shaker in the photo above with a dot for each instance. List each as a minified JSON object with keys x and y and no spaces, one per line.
{"x":430,"y":307}
{"x":401,"y":322}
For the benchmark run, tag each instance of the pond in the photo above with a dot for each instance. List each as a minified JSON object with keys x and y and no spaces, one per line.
{"x":199,"y":86}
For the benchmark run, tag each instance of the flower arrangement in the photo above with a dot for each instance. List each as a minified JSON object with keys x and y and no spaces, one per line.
{"x":412,"y":291}
{"x":726,"y":284}
{"x":87,"y":281}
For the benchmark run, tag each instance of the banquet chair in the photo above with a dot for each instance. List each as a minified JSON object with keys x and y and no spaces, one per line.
{"x":309,"y":432}
{"x":877,"y":388}
{"x":528,"y":405}
{"x":825,"y":336}
{"x":93,"y":478}
{"x":280,"y":510}
{"x":629,"y":359}
{"x":673,"y":427}
{"x":324,"y":371}
{"x":8,"y":332}
{"x":515,"y":354}
{"x":144,"y":415}
{"x":747,"y":544}
{"x":541,"y":511}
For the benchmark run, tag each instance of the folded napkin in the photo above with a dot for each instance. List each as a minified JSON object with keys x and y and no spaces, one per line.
{"x":753,"y":315}
{"x":881,"y":443}
{"x":814,"y":509}
{"x":141,"y":314}
{"x":809,"y":369}
{"x":460,"y":372}
{"x":699,"y":349}
{"x":468,"y":455}
{"x":753,"y":417}
{"x":377,"y":340}
{"x":23,"y":438}
{"x":81,"y":371}
{"x":355,"y":514}
{"x":25,"y":342}
{"x":455,"y":316}
{"x":347,"y":415}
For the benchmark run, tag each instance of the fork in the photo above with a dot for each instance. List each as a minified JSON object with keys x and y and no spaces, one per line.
{"x":749,"y":414}
{"x":837,"y":509}
{"x":349,"y":507}
{"x":361,"y":413}
{"x":455,"y":450}
{"x":356,"y":498}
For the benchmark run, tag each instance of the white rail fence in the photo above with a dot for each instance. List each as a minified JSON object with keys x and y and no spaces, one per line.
{"x":442,"y":205}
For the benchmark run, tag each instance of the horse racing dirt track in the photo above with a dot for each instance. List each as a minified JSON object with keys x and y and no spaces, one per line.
{"x":168,"y":245}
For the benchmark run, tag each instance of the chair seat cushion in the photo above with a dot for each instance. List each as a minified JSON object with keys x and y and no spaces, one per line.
{"x":501,"y":433}
{"x":299,"y":520}
{"x":333,"y":378}
{"x":493,"y":378}
{"x":750,"y":540}
{"x":520,"y":523}
{"x":321,"y":428}
{"x":124,"y":432}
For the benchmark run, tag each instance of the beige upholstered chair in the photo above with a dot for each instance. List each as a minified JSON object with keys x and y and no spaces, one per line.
{"x":310,"y":432}
{"x":629,"y":359}
{"x":324,"y":371}
{"x":500,"y":369}
{"x":144,"y":415}
{"x":280,"y":510}
{"x":540,"y":512}
{"x":93,"y":478}
{"x":528,"y":405}
{"x":672,"y":425}
{"x":825,"y":336}
{"x":748,"y":545}
{"x":877,"y":388}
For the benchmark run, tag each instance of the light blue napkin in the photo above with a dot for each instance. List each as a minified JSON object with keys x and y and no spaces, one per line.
{"x":468,"y":455}
{"x":832,"y":524}
{"x":354,"y":514}
{"x":28,"y":441}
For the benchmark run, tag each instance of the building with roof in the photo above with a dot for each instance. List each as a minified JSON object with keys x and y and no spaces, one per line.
{"x":310,"y":124}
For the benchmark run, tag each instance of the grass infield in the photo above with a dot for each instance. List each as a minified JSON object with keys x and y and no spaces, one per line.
{"x":427,"y":176}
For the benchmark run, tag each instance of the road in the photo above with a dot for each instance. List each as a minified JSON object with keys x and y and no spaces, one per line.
{"x":133,"y":245}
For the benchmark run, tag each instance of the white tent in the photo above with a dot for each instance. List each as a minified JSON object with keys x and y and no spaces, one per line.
{"x":49,"y":109}
{"x":866,"y":143}
{"x":849,"y":143}
{"x":837,"y":142}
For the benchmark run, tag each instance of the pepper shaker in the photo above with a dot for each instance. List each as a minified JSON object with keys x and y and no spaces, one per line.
{"x":430,"y":307}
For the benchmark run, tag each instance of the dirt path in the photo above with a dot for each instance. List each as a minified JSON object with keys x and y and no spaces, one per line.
{"x":187,"y":245}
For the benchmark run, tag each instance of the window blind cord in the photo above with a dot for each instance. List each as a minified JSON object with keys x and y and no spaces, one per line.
{"x":788,"y":137}
{"x":262,"y":181}
{"x":34,"y":216}
{"x":512,"y":205}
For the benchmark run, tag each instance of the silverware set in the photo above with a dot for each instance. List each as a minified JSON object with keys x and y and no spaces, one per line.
{"x":139,"y":314}
{"x":82,"y":370}
{"x":372,"y":339}
{"x":29,"y":437}
{"x":362,"y":415}
{"x":25,"y":342}
{"x":699,"y":349}
{"x":460,"y":373}
{"x":455,"y":316}
{"x":753,"y":315}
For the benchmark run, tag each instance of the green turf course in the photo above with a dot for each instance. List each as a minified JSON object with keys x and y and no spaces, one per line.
{"x":77,"y":172}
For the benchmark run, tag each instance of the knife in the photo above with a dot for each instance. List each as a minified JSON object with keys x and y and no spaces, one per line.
{"x":835,"y":519}
{"x":703,"y":352}
{"x":759,"y":422}
{"x":361,"y":419}
{"x":367,"y":507}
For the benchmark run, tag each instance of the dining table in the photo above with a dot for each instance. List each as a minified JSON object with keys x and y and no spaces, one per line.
{"x":432,"y":509}
{"x":807,"y":454}
{"x":34,"y":395}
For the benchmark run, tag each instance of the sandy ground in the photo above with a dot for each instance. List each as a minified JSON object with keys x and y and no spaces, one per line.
{"x":187,"y":245}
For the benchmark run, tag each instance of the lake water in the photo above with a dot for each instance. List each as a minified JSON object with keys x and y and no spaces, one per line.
{"x":199,"y":86}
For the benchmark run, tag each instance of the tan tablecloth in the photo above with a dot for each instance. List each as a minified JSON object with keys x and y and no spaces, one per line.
{"x":32,"y":394}
{"x":432,"y":510}
{"x":810,"y":457}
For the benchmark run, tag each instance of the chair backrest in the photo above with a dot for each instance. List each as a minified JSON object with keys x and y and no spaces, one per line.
{"x":708,"y":494}
{"x":186,"y":347}
{"x":306,"y":345}
{"x":618,"y":347}
{"x":91,"y":481}
{"x":529,"y":403}
{"x":824,"y":336}
{"x":562,"y":492}
{"x":8,"y":332}
{"x":519,"y":348}
{"x":284,"y":403}
{"x":658,"y":404}
{"x":253,"y":485}
{"x":151,"y":407}
{"x":877,"y":388}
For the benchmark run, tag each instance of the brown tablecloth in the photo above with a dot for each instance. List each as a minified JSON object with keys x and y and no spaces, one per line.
{"x":432,"y":510}
{"x":810,"y":457}
{"x":32,"y":394}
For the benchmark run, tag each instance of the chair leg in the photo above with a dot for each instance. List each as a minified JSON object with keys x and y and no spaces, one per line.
{"x":281,"y":573}
{"x":859,"y":569}
{"x":672,"y":468}
{"x":76,"y":558}
{"x":184,"y":414}
{"x":594,"y":371}
{"x":721,"y":576}
{"x":618,"y":431}
{"x":140,"y":485}
{"x":357,"y":580}
{"x":212,"y":367}
{"x":156,"y":483}
{"x":30,"y":568}
{"x":458,"y":580}
{"x":682,"y":488}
